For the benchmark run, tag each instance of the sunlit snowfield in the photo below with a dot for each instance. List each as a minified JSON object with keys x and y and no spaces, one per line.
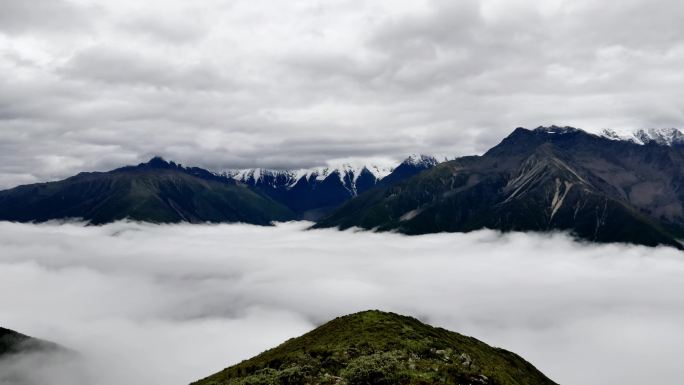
{"x":147,"y":304}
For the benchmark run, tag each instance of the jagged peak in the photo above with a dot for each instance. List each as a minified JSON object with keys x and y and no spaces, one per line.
{"x":342,"y":170}
{"x":661,"y":136}
{"x":159,"y":162}
{"x":557,"y":129}
{"x":420,"y":160}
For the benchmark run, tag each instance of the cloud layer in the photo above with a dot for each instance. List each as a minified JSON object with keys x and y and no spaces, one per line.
{"x":94,"y":84}
{"x":170,"y":304}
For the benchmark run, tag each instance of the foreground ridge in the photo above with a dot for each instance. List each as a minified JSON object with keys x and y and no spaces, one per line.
{"x":374,"y":347}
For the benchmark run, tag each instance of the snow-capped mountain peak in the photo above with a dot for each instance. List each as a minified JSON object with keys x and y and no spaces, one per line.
{"x":351,"y":177}
{"x":347,"y":173}
{"x":420,"y":160}
{"x":611,"y":134}
{"x":557,"y":129}
{"x":661,"y":136}
{"x":263,"y":175}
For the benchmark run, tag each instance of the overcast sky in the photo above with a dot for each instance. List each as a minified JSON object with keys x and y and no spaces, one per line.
{"x":149,"y":304}
{"x":95,"y":84}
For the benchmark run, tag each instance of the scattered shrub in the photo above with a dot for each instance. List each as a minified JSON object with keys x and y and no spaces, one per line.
{"x":375,"y":369}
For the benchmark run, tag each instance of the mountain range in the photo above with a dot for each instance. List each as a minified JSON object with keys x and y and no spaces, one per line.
{"x":549,"y":178}
{"x":603,"y":187}
{"x":165,"y":192}
{"x":312,"y":193}
{"x":379,"y":348}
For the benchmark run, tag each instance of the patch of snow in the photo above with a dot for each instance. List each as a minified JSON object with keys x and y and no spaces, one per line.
{"x":410,"y":215}
{"x":559,"y":195}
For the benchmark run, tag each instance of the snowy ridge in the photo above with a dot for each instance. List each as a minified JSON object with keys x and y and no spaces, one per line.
{"x":661,"y":136}
{"x":318,"y":173}
{"x":261,"y":175}
{"x":346,"y":173}
{"x":557,"y":129}
{"x":421,"y":160}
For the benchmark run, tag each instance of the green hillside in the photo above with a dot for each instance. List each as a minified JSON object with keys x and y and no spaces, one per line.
{"x":376,"y":348}
{"x":157,"y":191}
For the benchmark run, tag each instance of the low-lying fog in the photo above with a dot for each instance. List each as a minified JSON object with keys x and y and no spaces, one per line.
{"x":148,"y":304}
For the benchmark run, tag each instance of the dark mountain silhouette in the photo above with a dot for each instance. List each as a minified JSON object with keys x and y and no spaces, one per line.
{"x":12,"y":342}
{"x":549,"y":178}
{"x":156,"y":191}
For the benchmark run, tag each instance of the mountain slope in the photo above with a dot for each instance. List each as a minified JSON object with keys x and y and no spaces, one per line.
{"x":157,"y":191}
{"x":12,"y":342}
{"x":555,"y":178}
{"x":411,"y":166}
{"x":374,"y":347}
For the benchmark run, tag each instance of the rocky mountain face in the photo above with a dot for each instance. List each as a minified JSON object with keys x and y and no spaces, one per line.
{"x":549,"y":178}
{"x":156,"y":191}
{"x":315,"y":192}
{"x":380,"y":348}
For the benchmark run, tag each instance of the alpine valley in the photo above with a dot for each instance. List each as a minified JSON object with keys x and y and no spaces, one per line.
{"x":602,"y":187}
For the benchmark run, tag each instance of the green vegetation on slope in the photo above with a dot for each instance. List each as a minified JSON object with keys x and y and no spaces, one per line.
{"x":157,"y":192}
{"x":377,"y":348}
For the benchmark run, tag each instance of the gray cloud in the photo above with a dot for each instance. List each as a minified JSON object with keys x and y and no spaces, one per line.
{"x":18,"y":17}
{"x":275,"y":84}
{"x":119,"y":67}
{"x":169,"y":304}
{"x":177,"y":29}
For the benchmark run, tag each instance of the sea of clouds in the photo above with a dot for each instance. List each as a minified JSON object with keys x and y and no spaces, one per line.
{"x":169,"y":304}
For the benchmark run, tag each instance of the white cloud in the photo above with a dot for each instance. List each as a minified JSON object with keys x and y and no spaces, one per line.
{"x":295,"y":84}
{"x":170,"y":304}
